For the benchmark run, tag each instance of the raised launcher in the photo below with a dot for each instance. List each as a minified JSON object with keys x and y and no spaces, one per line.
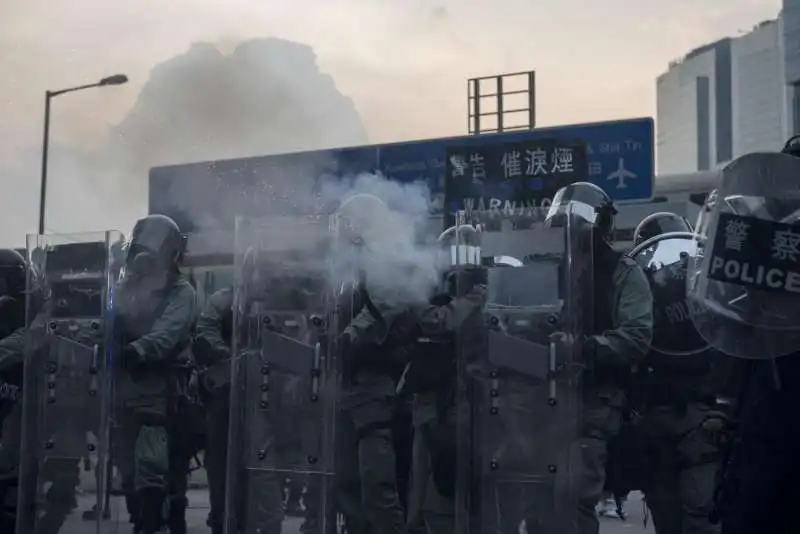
{"x":78,"y":287}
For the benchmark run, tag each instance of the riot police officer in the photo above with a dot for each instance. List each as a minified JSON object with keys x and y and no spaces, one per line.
{"x":156,"y":312}
{"x":13,"y":271}
{"x":367,"y":488}
{"x":750,"y":221}
{"x":680,"y":422}
{"x":212,"y":348}
{"x":431,"y":376}
{"x":622,"y":331}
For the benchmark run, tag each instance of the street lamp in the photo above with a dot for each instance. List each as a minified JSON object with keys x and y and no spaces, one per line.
{"x":117,"y":79}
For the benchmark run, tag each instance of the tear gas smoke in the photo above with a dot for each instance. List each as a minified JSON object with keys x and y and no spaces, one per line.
{"x":383,"y":222}
{"x":267,"y":96}
{"x":377,"y":237}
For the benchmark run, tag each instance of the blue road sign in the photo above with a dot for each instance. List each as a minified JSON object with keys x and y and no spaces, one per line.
{"x":620,"y":155}
{"x":620,"y":160}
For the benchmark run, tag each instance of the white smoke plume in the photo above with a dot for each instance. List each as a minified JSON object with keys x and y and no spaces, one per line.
{"x":262,"y":96}
{"x":267,"y":96}
{"x":385,"y":221}
{"x":362,"y":227}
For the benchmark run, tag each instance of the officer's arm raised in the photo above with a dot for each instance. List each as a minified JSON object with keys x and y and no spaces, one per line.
{"x":370,"y":328}
{"x":629,"y":340}
{"x":454,"y":313}
{"x":172,"y":328}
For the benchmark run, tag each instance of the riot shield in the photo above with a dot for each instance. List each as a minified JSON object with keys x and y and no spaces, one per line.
{"x":744,"y":277}
{"x":66,"y":462}
{"x":664,"y":259}
{"x":519,"y":376}
{"x":283,"y":382}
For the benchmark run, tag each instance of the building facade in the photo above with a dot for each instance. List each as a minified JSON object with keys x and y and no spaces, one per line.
{"x":731,"y":97}
{"x":693,"y":102}
{"x":759,"y":91}
{"x":790,"y":44}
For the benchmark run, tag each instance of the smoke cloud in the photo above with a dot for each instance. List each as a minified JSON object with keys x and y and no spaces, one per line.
{"x":381,"y":234}
{"x":262,"y":96}
{"x":267,"y":96}
{"x":361,"y":226}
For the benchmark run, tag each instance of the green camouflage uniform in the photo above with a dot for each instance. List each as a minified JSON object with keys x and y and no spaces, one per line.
{"x":158,"y":328}
{"x":12,"y":354}
{"x":619,"y":348}
{"x":59,"y":472}
{"x":213,"y":327}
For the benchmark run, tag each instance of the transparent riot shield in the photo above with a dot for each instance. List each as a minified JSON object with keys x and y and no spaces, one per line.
{"x":283,"y":381}
{"x":664,"y":259}
{"x":519,"y":375}
{"x":66,"y":465}
{"x":744,"y":277}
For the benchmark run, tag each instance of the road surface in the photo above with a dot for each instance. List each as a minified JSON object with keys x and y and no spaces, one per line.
{"x":634,"y":520}
{"x":198,"y":511}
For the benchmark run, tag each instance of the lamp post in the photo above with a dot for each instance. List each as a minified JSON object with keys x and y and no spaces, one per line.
{"x":117,"y":79}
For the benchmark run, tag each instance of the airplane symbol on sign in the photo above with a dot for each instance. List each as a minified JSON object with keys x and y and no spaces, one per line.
{"x":621,"y":174}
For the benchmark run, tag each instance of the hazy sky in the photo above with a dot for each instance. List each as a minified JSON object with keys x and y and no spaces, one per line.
{"x":403,"y":62}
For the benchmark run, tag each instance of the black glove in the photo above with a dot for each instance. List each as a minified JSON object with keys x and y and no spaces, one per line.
{"x":441,"y":299}
{"x":589,"y":350}
{"x":203,"y":351}
{"x":465,"y":279}
{"x":131,"y":358}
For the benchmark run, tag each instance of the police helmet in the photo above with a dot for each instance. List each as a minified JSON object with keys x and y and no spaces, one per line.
{"x":156,"y":239}
{"x":13,"y":294}
{"x":460,"y":245}
{"x":362,"y":217}
{"x":792,"y":146}
{"x":13,"y":274}
{"x":660,"y":223}
{"x":587,"y":201}
{"x":775,"y":209}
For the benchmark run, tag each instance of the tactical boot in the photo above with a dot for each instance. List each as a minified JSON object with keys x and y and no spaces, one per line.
{"x":214,"y":524}
{"x":133,"y":506}
{"x":151,"y":518}
{"x":176,"y":515}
